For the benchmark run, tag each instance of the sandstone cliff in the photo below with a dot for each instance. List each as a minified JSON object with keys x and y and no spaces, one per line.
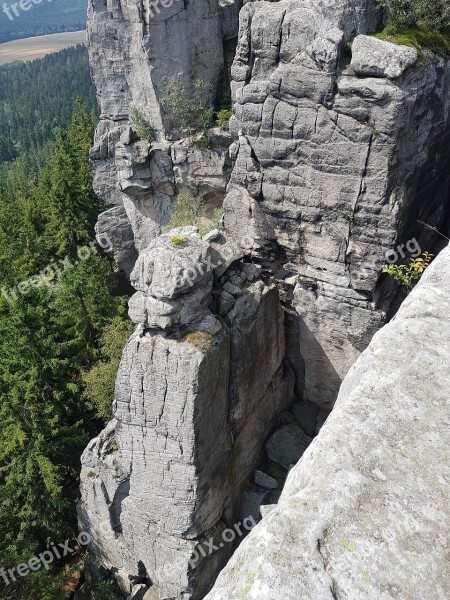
{"x":337,"y":147}
{"x":365,"y":512}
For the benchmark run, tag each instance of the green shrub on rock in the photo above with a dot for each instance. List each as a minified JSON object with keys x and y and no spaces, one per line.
{"x":141,"y":127}
{"x":187,"y":110}
{"x":404,"y":14}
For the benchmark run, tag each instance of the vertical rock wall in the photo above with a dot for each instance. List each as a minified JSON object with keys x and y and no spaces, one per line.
{"x":364,"y":514}
{"x":336,"y":155}
{"x":335,"y":161}
{"x":191,"y":414}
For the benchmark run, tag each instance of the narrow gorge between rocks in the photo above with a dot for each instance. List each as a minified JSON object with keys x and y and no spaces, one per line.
{"x":247,"y":336}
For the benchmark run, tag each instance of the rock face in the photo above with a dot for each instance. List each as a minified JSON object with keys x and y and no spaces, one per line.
{"x":375,"y":58}
{"x":167,"y":473}
{"x":329,"y":163}
{"x":132,"y":53}
{"x":365,"y":512}
{"x":333,"y":169}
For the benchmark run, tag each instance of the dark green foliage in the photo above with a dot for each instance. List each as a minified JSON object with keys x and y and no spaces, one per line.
{"x":101,"y":378}
{"x":49,"y":336}
{"x":37,"y":97}
{"x":417,"y":36}
{"x":44,"y":18}
{"x":104,"y":590}
{"x":223,"y":95}
{"x":141,"y":127}
{"x":404,"y":14}
{"x":223,"y":116}
{"x":187,"y":110}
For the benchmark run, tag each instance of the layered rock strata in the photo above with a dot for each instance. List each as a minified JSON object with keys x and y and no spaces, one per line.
{"x":364,"y":514}
{"x":336,"y":155}
{"x":336,"y":158}
{"x":135,"y":47}
{"x":192,"y":411}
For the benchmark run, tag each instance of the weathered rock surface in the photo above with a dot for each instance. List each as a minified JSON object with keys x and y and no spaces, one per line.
{"x":333,"y":164}
{"x":265,"y":481}
{"x":287,"y":445}
{"x":132,"y":53}
{"x":364,"y":514}
{"x":376,"y":58}
{"x":191,"y":413}
{"x":114,"y":233}
{"x":332,"y":170}
{"x":174,"y":281}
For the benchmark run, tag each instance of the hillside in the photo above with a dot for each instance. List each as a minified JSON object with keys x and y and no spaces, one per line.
{"x":37,"y":97}
{"x":42,"y":19}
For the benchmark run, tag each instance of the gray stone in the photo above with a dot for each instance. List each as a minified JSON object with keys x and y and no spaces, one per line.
{"x":287,"y":418}
{"x":251,"y":505}
{"x":321,"y":419}
{"x":265,"y":480}
{"x":287,"y":445}
{"x":252,"y":272}
{"x":205,"y":172}
{"x":326,"y":167}
{"x":226,"y":303}
{"x":372,"y":57}
{"x":232,"y":289}
{"x":191,"y":414}
{"x":305,"y":414}
{"x":212,"y":235}
{"x":115,"y":234}
{"x":364,"y":514}
{"x":173,"y":279}
{"x":266,"y":509}
{"x":138,"y":592}
{"x":171,"y":406}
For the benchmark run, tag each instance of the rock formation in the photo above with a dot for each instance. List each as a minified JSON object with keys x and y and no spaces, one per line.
{"x":337,"y":147}
{"x":334,"y":164}
{"x":364,"y":514}
{"x":192,"y":412}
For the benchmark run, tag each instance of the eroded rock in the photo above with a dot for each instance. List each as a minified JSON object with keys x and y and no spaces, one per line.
{"x":372,"y":57}
{"x":364,"y":514}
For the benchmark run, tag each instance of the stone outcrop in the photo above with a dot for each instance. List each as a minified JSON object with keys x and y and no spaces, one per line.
{"x":337,"y":147}
{"x":191,"y":414}
{"x":132,"y":53}
{"x":365,"y":512}
{"x":334,"y":165}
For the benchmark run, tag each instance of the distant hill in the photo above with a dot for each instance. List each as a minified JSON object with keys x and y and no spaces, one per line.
{"x":41,"y":19}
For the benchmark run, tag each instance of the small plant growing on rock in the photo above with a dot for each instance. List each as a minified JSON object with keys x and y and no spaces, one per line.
{"x":217,"y":220}
{"x":141,"y":127}
{"x":409,"y":274}
{"x":223,"y":116}
{"x":404,"y":14}
{"x":176,"y":240}
{"x":200,"y":339}
{"x":418,"y":23}
{"x":187,"y":210}
{"x":187,"y":110}
{"x":104,"y":590}
{"x":114,"y":448}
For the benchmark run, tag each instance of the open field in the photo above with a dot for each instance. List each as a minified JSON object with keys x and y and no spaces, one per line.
{"x":37,"y":47}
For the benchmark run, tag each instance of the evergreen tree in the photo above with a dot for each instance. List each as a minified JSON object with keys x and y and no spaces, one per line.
{"x":50,"y":336}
